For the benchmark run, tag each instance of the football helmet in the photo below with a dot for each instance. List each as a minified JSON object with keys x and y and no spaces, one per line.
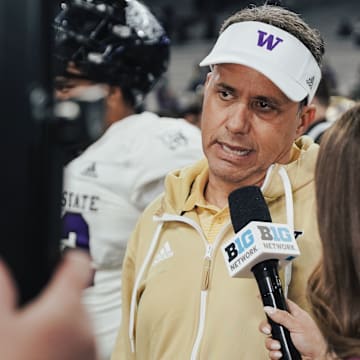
{"x":119,"y":42}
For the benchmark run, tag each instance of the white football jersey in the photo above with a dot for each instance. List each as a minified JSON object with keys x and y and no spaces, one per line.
{"x":105,"y":190}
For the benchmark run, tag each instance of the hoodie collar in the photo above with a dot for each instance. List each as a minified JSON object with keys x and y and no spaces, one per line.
{"x":197,"y":191}
{"x":181,"y":184}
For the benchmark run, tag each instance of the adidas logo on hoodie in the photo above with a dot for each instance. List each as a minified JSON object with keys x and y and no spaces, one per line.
{"x":164,"y":253}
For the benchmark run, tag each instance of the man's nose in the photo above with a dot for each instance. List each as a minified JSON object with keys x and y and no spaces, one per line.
{"x":238,"y":119}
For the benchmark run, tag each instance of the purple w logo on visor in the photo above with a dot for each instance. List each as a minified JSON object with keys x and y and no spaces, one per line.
{"x":268,"y":41}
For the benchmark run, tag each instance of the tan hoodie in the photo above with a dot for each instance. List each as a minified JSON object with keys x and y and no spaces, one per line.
{"x":178,"y":299}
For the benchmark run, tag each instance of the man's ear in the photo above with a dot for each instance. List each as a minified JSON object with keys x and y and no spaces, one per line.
{"x":306,"y":117}
{"x":114,"y":94}
{"x":209,"y":75}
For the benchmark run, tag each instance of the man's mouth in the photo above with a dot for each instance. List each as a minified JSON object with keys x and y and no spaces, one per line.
{"x":235,"y":150}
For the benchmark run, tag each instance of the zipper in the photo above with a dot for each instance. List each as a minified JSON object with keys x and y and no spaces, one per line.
{"x":205,"y":280}
{"x":206,"y":268}
{"x":204,"y":289}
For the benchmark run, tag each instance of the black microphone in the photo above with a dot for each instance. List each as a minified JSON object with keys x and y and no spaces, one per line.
{"x":257,"y":247}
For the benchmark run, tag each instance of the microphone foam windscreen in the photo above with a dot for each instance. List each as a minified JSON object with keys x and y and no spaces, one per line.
{"x":247,"y":204}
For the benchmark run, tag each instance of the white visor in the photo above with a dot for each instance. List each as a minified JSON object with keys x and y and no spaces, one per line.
{"x":275,"y":53}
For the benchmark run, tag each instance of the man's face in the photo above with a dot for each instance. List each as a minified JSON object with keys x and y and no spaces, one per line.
{"x":67,"y":87}
{"x":247,"y":125}
{"x":73,"y":86}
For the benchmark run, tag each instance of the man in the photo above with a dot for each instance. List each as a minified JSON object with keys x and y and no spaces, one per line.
{"x":55,"y":325}
{"x":119,"y":47}
{"x":178,"y":299}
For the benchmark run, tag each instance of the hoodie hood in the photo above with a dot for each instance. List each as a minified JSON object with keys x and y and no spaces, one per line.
{"x":300,"y":171}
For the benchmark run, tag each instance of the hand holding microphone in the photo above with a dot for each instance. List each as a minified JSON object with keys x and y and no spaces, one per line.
{"x":257,"y":249}
{"x":304,"y":332}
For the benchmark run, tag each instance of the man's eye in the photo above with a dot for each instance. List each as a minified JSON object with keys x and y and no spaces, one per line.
{"x":61,"y":87}
{"x":263,"y":105}
{"x":64,"y":86}
{"x":225,"y":95}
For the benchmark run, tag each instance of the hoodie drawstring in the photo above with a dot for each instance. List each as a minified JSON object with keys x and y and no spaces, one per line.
{"x":289,"y":219}
{"x":144,"y":265}
{"x":289,"y":204}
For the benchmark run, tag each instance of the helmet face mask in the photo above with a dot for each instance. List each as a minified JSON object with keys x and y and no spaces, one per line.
{"x":111,"y":41}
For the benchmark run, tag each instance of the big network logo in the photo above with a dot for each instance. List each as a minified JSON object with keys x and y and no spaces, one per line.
{"x":246,"y":239}
{"x":268,"y":40}
{"x":256,"y":242}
